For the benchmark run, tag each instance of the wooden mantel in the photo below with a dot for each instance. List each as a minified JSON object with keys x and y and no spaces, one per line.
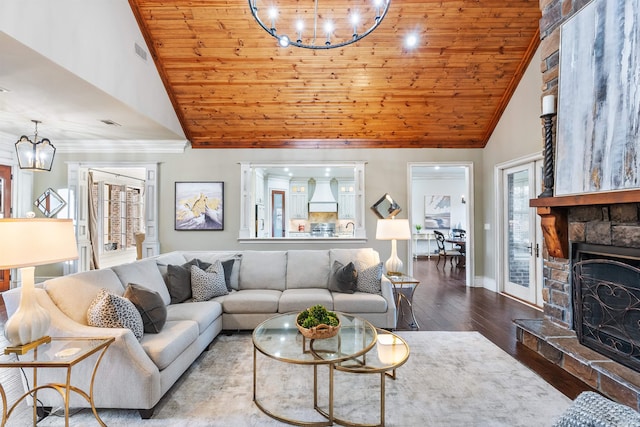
{"x":553,"y":214}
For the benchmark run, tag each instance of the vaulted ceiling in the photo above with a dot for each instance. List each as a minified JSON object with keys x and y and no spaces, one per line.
{"x":232,"y":86}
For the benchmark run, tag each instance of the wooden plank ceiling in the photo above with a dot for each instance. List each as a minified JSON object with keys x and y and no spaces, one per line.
{"x":233,"y":87}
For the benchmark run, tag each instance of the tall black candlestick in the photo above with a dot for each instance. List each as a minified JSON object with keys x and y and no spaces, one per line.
{"x":548,"y":155}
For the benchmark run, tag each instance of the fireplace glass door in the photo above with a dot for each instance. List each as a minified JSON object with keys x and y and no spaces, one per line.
{"x":521,"y":245}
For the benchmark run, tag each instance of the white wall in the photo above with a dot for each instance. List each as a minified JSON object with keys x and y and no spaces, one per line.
{"x":385,"y":172}
{"x":518,"y":134}
{"x":79,"y":36}
{"x":439,"y":187}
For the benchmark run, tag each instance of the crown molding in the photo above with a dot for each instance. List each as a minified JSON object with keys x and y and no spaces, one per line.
{"x":119,"y":147}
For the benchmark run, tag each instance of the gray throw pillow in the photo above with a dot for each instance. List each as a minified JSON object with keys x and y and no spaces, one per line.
{"x":108,"y":310}
{"x":344,"y":278}
{"x":150,"y":306}
{"x":208,"y":284}
{"x":227,"y":266}
{"x":369,"y":279}
{"x":179,"y":280}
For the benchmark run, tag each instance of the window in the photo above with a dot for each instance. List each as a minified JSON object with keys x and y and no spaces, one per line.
{"x":120,"y":212}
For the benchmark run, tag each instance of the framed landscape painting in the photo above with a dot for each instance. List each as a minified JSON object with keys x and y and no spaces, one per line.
{"x":199,"y":206}
{"x":598,"y":148}
{"x":437,"y":212}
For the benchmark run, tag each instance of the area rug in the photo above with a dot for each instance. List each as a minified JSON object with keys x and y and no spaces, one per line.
{"x":451,"y":379}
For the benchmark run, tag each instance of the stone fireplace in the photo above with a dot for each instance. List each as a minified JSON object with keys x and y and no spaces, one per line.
{"x":606,"y":231}
{"x":605,"y":219}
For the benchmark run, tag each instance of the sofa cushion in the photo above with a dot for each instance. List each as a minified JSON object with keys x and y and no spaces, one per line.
{"x":178,"y":281}
{"x":204,"y":313}
{"x":263,"y":270}
{"x":150,"y":306}
{"x":208,"y":284}
{"x":252,"y":301}
{"x":359,"y":302}
{"x":361,"y":257}
{"x":308,"y":269}
{"x":114,"y":311}
{"x":144,"y":273}
{"x":74,"y":293}
{"x":301,"y":299}
{"x":369,"y":279}
{"x":175,"y":258}
{"x":175,"y":338}
{"x":344,"y":278}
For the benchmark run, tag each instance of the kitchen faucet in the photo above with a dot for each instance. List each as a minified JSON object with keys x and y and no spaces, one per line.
{"x":353,"y":227}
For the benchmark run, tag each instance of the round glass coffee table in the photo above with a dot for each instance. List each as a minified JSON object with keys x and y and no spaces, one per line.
{"x":278,"y":338}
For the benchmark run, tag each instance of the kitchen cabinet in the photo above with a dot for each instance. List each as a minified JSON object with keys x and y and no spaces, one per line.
{"x":346,"y":200}
{"x":298,"y":200}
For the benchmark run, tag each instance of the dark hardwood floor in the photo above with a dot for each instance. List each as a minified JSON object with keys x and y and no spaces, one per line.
{"x":442,"y":302}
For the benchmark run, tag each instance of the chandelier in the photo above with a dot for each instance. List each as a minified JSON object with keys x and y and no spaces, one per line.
{"x":318,"y":24}
{"x":35,"y":155}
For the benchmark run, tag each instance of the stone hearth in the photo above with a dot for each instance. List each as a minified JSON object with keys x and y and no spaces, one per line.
{"x":561,"y":346}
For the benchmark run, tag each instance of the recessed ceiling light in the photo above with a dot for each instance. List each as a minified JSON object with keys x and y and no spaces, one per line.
{"x":411,"y":41}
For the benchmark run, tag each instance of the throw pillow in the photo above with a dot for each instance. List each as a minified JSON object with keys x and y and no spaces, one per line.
{"x":108,"y":310}
{"x":344,"y":278}
{"x":227,"y":266}
{"x":179,"y":281}
{"x":369,"y":279}
{"x":208,"y":284}
{"x":150,"y":306}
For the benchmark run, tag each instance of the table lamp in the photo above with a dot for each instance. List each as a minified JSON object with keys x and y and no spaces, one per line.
{"x":393,"y":229}
{"x":27,"y":242}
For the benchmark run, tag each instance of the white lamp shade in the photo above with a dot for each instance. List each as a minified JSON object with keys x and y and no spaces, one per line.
{"x":393,"y":229}
{"x":29,"y":242}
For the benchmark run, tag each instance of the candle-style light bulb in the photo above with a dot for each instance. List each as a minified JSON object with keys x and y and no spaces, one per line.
{"x":299,"y":28}
{"x":273,"y":14}
{"x":355,"y":20}
{"x":328,"y":28}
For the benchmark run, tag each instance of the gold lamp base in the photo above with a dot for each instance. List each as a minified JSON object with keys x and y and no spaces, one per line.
{"x":25,"y":348}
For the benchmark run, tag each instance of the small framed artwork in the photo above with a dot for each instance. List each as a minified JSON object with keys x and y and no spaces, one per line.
{"x":199,"y":206}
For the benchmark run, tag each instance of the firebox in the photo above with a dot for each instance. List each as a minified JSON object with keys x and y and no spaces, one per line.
{"x":606,"y":300}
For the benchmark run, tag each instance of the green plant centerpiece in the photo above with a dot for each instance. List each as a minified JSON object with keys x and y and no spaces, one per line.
{"x":317,"y":322}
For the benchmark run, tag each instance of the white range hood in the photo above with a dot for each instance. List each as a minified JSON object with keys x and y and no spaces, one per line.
{"x":323,"y":199}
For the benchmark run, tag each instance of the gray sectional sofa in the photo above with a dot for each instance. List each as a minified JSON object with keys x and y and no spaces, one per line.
{"x":135,"y":374}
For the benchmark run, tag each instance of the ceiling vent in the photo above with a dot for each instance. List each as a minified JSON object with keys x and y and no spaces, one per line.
{"x":140,"y":51}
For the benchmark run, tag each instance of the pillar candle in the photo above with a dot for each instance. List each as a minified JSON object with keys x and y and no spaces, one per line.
{"x":548,"y":104}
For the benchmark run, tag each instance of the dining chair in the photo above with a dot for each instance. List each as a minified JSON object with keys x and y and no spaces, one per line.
{"x":443,"y":252}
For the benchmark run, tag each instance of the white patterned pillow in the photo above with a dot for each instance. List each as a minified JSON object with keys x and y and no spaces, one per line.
{"x":369,"y":279}
{"x":208,"y":284}
{"x":108,"y":310}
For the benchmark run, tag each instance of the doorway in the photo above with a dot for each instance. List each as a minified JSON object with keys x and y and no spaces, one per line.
{"x":5,"y":212}
{"x":451,"y":184}
{"x":277,"y":213}
{"x":520,"y":238}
